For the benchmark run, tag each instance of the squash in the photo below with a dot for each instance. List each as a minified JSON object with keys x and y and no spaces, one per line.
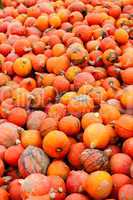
{"x":33,"y":160}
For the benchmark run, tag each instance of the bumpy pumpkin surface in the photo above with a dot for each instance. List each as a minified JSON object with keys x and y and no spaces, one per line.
{"x":33,"y":160}
{"x":94,"y":159}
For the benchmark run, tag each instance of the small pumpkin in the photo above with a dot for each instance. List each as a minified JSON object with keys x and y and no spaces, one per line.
{"x":75,"y":181}
{"x":56,"y":144}
{"x":34,"y":184}
{"x":33,"y":160}
{"x":126,"y":192}
{"x":94,"y":159}
{"x":31,"y":137}
{"x":35,"y":119}
{"x":8,"y":134}
{"x":58,"y":168}
{"x":15,"y":189}
{"x":124,"y":126}
{"x":12,"y":154}
{"x":69,"y":125}
{"x":48,"y":124}
{"x":76,"y":149}
{"x":95,"y":182}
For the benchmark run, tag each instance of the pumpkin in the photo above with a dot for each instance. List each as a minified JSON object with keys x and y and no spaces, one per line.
{"x":126,"y":75}
{"x":22,"y":66}
{"x":90,"y":118}
{"x":96,"y":135}
{"x":77,"y":53}
{"x":58,"y":168}
{"x":31,"y":137}
{"x":120,"y":163}
{"x":69,"y":125}
{"x":127,"y":147}
{"x":57,"y":188}
{"x":33,"y":160}
{"x":48,"y":124}
{"x":83,"y":78}
{"x":34,"y":184}
{"x":12,"y":154}
{"x":2,"y":151}
{"x":15,"y":189}
{"x":4,"y":195}
{"x":18,"y":116}
{"x":79,"y":105}
{"x":56,"y":144}
{"x":61,"y":84}
{"x":126,"y":192}
{"x":76,"y":149}
{"x":2,"y":167}
{"x":76,"y":196}
{"x":94,"y":159}
{"x":126,"y":97}
{"x":94,"y":184}
{"x":35,"y":119}
{"x":76,"y":186}
{"x":8,"y":134}
{"x":124,"y":126}
{"x":57,"y":111}
{"x":109,"y":113}
{"x":118,"y":181}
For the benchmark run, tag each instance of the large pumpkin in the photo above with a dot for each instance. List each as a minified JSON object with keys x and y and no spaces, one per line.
{"x":8,"y":134}
{"x":33,"y":160}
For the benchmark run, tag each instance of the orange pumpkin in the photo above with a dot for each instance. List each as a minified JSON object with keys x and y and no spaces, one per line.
{"x":79,"y":105}
{"x":95,"y":181}
{"x":126,"y":75}
{"x":69,"y":125}
{"x":48,"y":124}
{"x":31,"y":137}
{"x":57,"y":111}
{"x":4,"y":195}
{"x":58,"y":168}
{"x":126,"y":97}
{"x":56,"y":144}
{"x":22,"y":66}
{"x":65,"y":98}
{"x":96,"y":135}
{"x":90,"y":118}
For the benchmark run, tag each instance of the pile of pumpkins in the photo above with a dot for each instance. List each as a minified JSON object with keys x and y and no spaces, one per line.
{"x":66,"y":100}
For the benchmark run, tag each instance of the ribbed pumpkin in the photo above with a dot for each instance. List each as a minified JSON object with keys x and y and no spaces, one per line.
{"x":94,"y":159}
{"x":33,"y":160}
{"x":8,"y":134}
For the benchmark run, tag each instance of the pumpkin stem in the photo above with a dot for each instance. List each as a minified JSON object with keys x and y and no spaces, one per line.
{"x":108,"y":152}
{"x":18,"y":141}
{"x":92,"y":145}
{"x":52,"y":195}
{"x":59,"y":149}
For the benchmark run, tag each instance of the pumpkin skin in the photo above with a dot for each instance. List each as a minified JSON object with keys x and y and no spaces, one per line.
{"x":76,"y":149}
{"x":128,"y":147}
{"x":31,"y":137}
{"x":76,"y":196}
{"x":79,"y":105}
{"x":57,"y":188}
{"x":118,"y":181}
{"x":95,"y":181}
{"x":12,"y":154}
{"x":34,"y":184}
{"x":15,"y":189}
{"x":94,"y":159}
{"x":8,"y":134}
{"x":126,"y":192}
{"x":96,"y":135}
{"x":35,"y":119}
{"x":2,"y":167}
{"x":4,"y":195}
{"x":124,"y":126}
{"x":47,"y":125}
{"x":2,"y":151}
{"x":76,"y":186}
{"x":33,"y":160}
{"x":120,"y":163}
{"x":69,"y":125}
{"x":58,"y":168}
{"x":56,"y":144}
